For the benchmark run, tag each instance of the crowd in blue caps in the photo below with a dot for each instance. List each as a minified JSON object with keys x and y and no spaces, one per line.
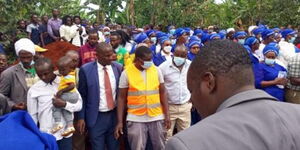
{"x":258,"y":41}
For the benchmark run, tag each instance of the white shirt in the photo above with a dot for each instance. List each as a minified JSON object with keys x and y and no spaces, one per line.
{"x":39,"y":106}
{"x":167,"y":56}
{"x":259,"y":52}
{"x":76,"y":39}
{"x":286,"y":52}
{"x":176,"y":82}
{"x":103,"y":103}
{"x":128,"y":46}
{"x":68,"y":32}
{"x":101,"y":37}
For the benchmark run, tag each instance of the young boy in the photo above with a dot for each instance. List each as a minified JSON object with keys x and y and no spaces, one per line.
{"x":67,"y":92}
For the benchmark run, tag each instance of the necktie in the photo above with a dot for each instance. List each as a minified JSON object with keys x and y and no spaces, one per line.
{"x":108,"y":90}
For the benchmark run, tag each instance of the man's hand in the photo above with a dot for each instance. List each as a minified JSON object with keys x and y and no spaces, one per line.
{"x":81,"y":126}
{"x":20,"y":106}
{"x":167,"y":123}
{"x":119,"y":130}
{"x":58,"y":102}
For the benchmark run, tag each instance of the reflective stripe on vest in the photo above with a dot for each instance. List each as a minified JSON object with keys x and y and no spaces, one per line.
{"x":143,"y":96}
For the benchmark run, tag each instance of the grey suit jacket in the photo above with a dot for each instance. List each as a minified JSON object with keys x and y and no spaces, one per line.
{"x":251,"y":120}
{"x":13,"y":85}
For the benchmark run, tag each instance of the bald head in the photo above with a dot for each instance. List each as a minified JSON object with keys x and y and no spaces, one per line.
{"x":105,"y":53}
{"x":180,"y":51}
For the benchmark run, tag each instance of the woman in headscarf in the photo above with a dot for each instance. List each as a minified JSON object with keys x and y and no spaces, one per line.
{"x":165,"y":52}
{"x":194,"y":48}
{"x":271,"y":77}
{"x":252,"y":44}
{"x":240,"y":37}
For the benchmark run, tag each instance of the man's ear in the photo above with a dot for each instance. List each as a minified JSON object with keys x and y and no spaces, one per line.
{"x":209,"y":81}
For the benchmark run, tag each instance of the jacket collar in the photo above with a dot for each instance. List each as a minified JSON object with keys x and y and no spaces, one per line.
{"x":250,"y":95}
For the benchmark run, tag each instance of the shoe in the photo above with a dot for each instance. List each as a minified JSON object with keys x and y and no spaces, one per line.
{"x":68,"y":131}
{"x":56,"y":128}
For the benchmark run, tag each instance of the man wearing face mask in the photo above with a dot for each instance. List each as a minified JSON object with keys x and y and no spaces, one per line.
{"x":175,"y":74}
{"x":142,"y":95}
{"x":165,"y":52}
{"x":16,"y":80}
{"x":287,"y":48}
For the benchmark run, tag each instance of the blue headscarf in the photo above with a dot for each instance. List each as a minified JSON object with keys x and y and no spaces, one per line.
{"x":222,"y":34}
{"x":140,"y":38}
{"x":205,"y":37}
{"x":212,"y":36}
{"x":250,"y":41}
{"x":194,"y":38}
{"x":160,"y":34}
{"x":179,"y":32}
{"x":239,"y":34}
{"x":266,"y":33}
{"x":257,"y":31}
{"x":276,"y":29}
{"x":198,"y":32}
{"x":287,"y":32}
{"x":272,"y":47}
{"x":194,"y":42}
{"x":150,"y":32}
{"x":163,"y":39}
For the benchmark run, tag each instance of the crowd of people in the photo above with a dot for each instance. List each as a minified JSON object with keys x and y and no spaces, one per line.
{"x":133,"y":86}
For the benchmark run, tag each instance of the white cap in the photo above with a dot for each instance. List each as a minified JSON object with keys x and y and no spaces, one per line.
{"x":25,"y":45}
{"x":250,"y":29}
{"x":230,"y":29}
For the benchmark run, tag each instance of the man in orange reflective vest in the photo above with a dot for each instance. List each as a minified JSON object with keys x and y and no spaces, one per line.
{"x":142,"y":94}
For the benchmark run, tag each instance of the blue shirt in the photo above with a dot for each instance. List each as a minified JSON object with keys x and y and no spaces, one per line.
{"x":191,"y":56}
{"x":265,"y":72}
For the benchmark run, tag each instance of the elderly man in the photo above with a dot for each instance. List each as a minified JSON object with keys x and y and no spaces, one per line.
{"x":236,"y":115}
{"x":16,"y":80}
{"x":41,"y":100}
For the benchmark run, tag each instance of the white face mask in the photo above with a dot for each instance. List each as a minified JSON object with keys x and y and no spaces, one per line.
{"x":167,"y":49}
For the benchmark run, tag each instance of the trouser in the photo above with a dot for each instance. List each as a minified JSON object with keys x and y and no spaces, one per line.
{"x":102,"y":134}
{"x":180,"y":116}
{"x":79,"y":140}
{"x":292,"y":96}
{"x":138,"y":134}
{"x":65,"y":144}
{"x":58,"y":113}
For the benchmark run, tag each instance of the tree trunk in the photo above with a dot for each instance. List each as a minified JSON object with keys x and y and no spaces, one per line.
{"x":131,"y":12}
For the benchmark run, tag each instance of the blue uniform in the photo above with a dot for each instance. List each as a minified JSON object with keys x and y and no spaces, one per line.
{"x":191,"y":56}
{"x":158,"y":59}
{"x":265,"y":72}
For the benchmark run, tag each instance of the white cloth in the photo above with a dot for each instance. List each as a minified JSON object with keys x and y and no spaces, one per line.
{"x":76,"y":40}
{"x":103,"y":103}
{"x":26,"y":45}
{"x":68,"y":32}
{"x":101,"y":37}
{"x":259,"y":52}
{"x":230,"y":29}
{"x":286,"y":52}
{"x":250,"y":29}
{"x":176,"y":82}
{"x":167,"y":56}
{"x":39,"y":106}
{"x":128,"y":46}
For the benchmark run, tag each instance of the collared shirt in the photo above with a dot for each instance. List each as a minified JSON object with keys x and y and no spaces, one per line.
{"x":103,"y":103}
{"x":53,"y":27}
{"x":294,"y":71}
{"x":167,"y":56}
{"x":176,"y":82}
{"x":30,"y":78}
{"x":87,"y":53}
{"x":39,"y":105}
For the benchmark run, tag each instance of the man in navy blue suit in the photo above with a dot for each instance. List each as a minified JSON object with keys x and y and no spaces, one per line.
{"x":98,"y":86}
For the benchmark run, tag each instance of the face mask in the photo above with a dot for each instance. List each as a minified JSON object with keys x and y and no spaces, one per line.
{"x":147,"y":64}
{"x":173,"y":41}
{"x":168,"y":49}
{"x":292,"y":40}
{"x":106,"y":33}
{"x":153,"y":39}
{"x":172,"y":31}
{"x":178,"y":61}
{"x":270,"y":61}
{"x":241,"y":41}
